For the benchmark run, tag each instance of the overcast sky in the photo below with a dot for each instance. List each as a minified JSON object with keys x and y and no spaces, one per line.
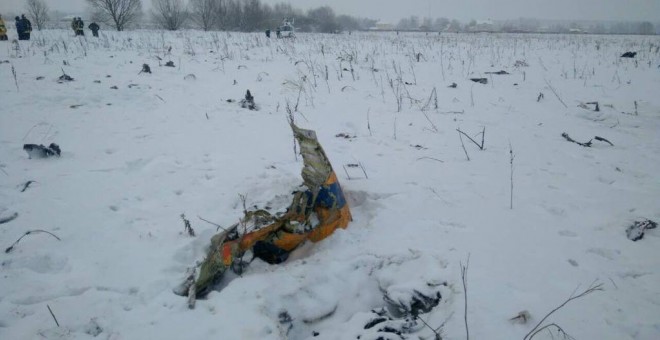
{"x":393,"y":10}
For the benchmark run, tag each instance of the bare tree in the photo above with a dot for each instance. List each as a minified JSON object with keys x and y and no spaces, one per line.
{"x":169,"y":14}
{"x":204,"y":13}
{"x":37,"y":11}
{"x":117,"y":13}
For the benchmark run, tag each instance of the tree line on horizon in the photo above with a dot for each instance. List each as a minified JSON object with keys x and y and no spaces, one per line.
{"x":253,"y":15}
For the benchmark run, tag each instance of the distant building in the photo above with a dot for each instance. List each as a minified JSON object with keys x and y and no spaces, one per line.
{"x":483,"y":26}
{"x":382,"y":26}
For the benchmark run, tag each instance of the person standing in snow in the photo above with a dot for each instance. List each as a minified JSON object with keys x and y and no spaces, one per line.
{"x":80,"y":27}
{"x":19,"y":27}
{"x":3,"y":29}
{"x":74,"y":22}
{"x":27,"y":27}
{"x":95,"y":29}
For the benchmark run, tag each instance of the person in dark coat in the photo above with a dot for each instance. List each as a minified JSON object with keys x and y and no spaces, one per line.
{"x":95,"y":29}
{"x":19,"y":28}
{"x":27,"y":27}
{"x":80,"y":29}
{"x":268,"y":33}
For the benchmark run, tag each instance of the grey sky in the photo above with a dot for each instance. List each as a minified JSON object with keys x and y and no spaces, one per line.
{"x":393,"y":10}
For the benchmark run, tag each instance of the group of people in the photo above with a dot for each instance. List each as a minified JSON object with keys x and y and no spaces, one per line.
{"x":78,"y":27}
{"x":23,"y":27}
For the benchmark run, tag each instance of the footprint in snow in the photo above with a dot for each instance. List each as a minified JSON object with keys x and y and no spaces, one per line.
{"x":610,"y":254}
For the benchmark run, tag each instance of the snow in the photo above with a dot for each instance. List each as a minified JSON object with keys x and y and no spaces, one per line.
{"x":135,"y":158}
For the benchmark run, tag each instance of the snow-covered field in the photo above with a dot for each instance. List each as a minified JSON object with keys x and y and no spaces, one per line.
{"x":139,"y":150}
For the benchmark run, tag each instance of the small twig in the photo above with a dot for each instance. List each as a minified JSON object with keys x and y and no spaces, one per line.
{"x":209,"y":222}
{"x":511,"y":162}
{"x":431,"y":158}
{"x":603,"y":140}
{"x":568,"y":138}
{"x":8,"y":218}
{"x":435,"y":128}
{"x":28,"y":233}
{"x":363,"y":170}
{"x":368,"y":122}
{"x":13,"y":72}
{"x":592,"y":288}
{"x":463,"y":144}
{"x":464,"y":270}
{"x":559,"y":330}
{"x":481,"y":147}
{"x":53,"y":315}
{"x":26,"y":185}
{"x":186,"y":226}
{"x":346,"y":171}
{"x":555,"y":92}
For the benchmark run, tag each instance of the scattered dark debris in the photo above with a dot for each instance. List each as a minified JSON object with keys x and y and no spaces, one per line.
{"x":169,"y":64}
{"x":93,"y":328}
{"x":97,"y":81}
{"x":374,"y":322}
{"x":520,"y":63}
{"x":248,"y":102}
{"x":408,"y":83}
{"x":568,"y":138}
{"x":64,"y":78}
{"x":419,"y":303}
{"x":352,"y":165}
{"x":4,"y":62}
{"x":186,"y":225}
{"x":541,"y":96}
{"x":629,"y":55}
{"x":635,"y":232}
{"x":596,"y":107}
{"x":75,"y":106}
{"x":145,"y":69}
{"x":8,"y":218}
{"x":26,"y":185}
{"x":344,"y":135}
{"x":586,"y":144}
{"x":501,"y":72}
{"x":108,"y":76}
{"x":418,"y":147}
{"x":601,"y":139}
{"x":130,"y":86}
{"x":480,"y":80}
{"x":453,"y":85}
{"x":40,"y":151}
{"x":515,"y":84}
{"x":40,"y":78}
{"x":230,"y":100}
{"x":114,"y":87}
{"x":521,"y":318}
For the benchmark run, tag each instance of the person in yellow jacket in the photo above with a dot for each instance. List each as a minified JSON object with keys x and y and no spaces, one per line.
{"x":3,"y":29}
